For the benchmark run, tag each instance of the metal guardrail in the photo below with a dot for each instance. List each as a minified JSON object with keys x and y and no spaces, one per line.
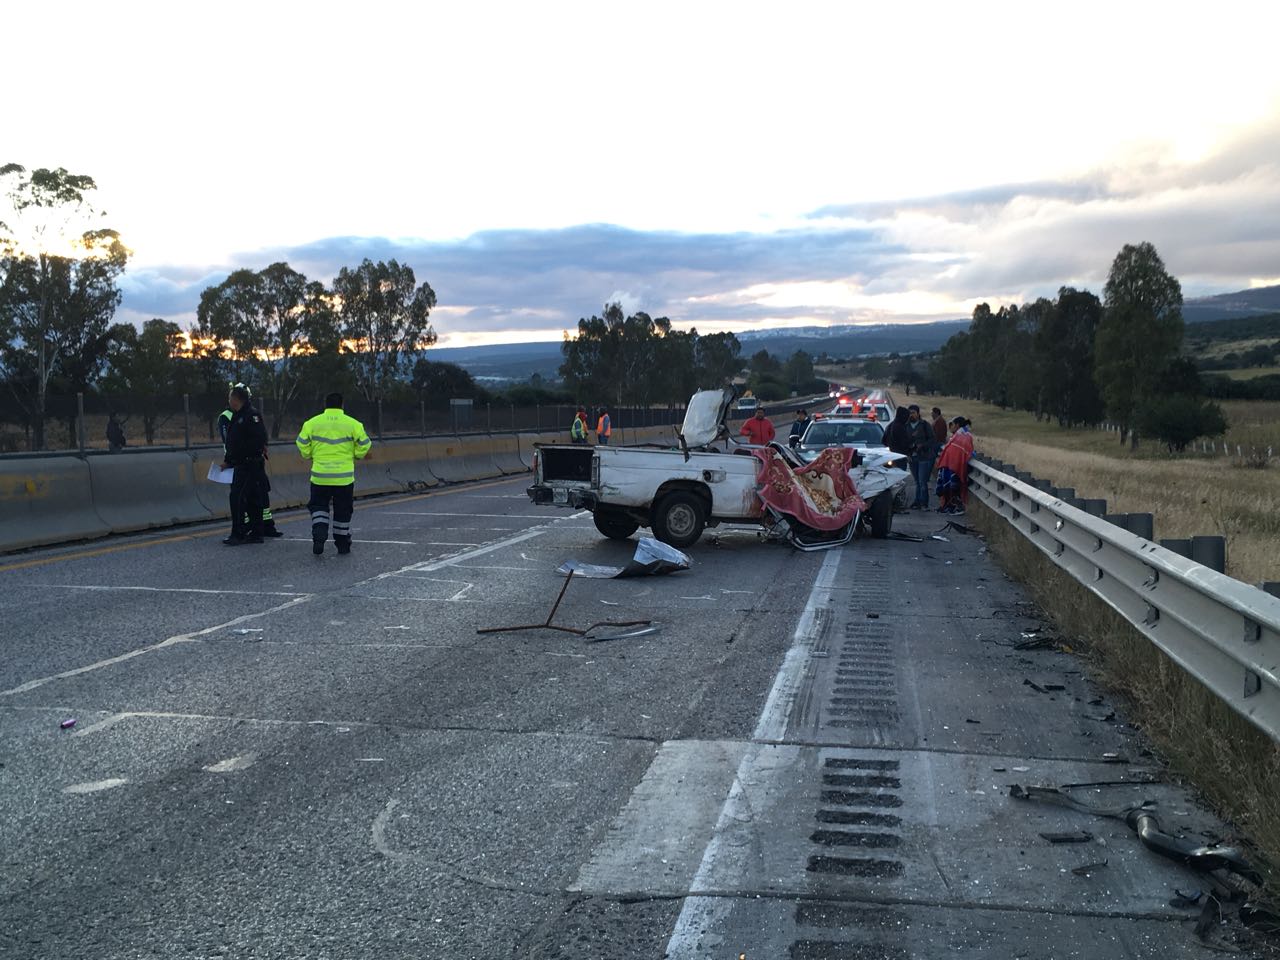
{"x":1223,"y":632}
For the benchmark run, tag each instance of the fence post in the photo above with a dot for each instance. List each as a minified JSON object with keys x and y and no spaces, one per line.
{"x":186,"y":421}
{"x":513,"y":418}
{"x":80,"y":421}
{"x":488,"y":416}
{"x":422,"y":417}
{"x":538,"y":407}
{"x":379,"y":418}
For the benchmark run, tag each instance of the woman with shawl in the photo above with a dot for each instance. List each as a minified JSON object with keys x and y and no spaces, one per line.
{"x":953,"y":468}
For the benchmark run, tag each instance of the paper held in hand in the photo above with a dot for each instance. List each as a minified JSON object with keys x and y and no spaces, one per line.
{"x":218,"y":475}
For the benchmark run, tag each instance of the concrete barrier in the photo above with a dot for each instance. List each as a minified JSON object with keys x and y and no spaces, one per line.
{"x":477,"y":457}
{"x":137,"y":491}
{"x":397,"y":465}
{"x":506,"y":454}
{"x":445,"y":456}
{"x":46,"y":500}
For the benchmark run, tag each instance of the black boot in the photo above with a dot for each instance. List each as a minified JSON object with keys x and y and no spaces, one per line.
{"x":344,"y":544}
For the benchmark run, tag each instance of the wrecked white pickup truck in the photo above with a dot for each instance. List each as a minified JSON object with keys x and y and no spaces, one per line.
{"x":680,"y":490}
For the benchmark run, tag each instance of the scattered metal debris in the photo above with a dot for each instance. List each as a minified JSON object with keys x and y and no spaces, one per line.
{"x":652,"y":558}
{"x":1185,"y":901}
{"x":1036,"y":643}
{"x":548,"y":625}
{"x":1044,"y":687}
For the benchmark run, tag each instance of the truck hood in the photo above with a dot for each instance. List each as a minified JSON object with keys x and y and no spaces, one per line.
{"x":705,"y":414}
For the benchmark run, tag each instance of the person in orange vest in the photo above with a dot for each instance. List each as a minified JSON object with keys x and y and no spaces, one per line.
{"x":758,"y":429}
{"x":604,"y":427}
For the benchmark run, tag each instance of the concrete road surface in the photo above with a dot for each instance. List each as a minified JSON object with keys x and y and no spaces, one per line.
{"x":278,"y":755}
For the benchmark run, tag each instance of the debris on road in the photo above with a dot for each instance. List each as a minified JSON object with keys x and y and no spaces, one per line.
{"x":1044,"y":687}
{"x":67,"y":724}
{"x":1070,"y":836}
{"x":1087,"y":868}
{"x":1185,"y":901}
{"x":548,"y":625}
{"x":652,"y":558}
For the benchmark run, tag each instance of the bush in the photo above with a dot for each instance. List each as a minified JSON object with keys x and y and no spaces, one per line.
{"x":1176,"y":420}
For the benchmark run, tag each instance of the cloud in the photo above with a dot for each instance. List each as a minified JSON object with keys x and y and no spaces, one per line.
{"x":1216,"y":222}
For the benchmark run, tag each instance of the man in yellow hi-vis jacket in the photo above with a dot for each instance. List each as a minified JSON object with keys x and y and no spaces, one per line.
{"x":333,"y":442}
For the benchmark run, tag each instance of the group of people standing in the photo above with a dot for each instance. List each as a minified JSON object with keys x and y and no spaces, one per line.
{"x":948,"y":445}
{"x":331,"y":441}
{"x":579,"y":432}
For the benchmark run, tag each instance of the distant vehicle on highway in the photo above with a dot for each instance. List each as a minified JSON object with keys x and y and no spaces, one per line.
{"x":747,"y":404}
{"x":860,"y":433}
{"x":875,"y":404}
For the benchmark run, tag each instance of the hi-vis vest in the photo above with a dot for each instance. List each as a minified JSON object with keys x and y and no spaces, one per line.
{"x":579,"y":429}
{"x":604,"y":426}
{"x":333,"y":442}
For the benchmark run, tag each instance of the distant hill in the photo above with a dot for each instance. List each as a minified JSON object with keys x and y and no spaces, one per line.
{"x":1226,"y":306}
{"x":519,"y":361}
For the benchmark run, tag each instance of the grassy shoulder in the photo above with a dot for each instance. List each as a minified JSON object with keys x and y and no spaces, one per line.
{"x":1189,"y":495}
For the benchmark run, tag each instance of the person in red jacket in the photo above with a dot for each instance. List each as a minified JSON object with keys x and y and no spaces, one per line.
{"x":759,"y":429}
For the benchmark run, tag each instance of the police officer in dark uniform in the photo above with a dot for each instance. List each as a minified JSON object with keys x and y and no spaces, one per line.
{"x":245,"y":443}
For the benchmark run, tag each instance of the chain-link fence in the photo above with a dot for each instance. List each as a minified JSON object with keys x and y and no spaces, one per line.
{"x":95,"y":422}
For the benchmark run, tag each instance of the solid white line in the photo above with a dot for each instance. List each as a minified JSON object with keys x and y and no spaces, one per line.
{"x":180,"y":638}
{"x":106,"y":588}
{"x":433,"y":565}
{"x":777,"y":708}
{"x":699,"y":913}
{"x":490,"y":516}
{"x":396,"y":543}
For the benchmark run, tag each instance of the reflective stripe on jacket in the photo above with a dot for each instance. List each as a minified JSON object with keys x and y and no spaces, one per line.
{"x":333,"y":442}
{"x":604,"y":426}
{"x":579,"y":429}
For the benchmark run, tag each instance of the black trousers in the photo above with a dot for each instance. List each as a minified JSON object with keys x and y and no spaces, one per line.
{"x":248,"y":496}
{"x":321,"y":516}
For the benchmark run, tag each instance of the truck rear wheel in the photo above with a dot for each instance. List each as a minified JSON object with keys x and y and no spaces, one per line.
{"x":679,"y":518}
{"x":614,"y":524}
{"x":881,"y":515}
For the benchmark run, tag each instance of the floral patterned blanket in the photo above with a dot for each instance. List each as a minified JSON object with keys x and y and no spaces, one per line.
{"x":820,"y":494}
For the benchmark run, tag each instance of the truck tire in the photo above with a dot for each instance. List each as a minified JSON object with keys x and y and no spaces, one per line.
{"x":881,"y":515}
{"x":679,"y":518}
{"x":614,"y":524}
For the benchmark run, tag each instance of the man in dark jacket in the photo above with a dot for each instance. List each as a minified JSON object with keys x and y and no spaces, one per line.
{"x":897,"y":436}
{"x":798,"y":426}
{"x":245,"y":443}
{"x":923,"y":451}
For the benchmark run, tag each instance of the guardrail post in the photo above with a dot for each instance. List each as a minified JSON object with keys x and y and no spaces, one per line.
{"x":1211,"y":552}
{"x":80,"y":420}
{"x":1179,"y":546}
{"x":1066,"y":493}
{"x":1095,"y":508}
{"x":1271,"y":586}
{"x":186,"y":422}
{"x":1139,"y":524}
{"x":1042,"y":485}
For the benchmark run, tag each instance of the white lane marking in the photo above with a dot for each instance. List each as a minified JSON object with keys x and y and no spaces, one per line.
{"x":451,"y":543}
{"x":232,"y":764}
{"x":110,"y":720}
{"x":109,"y":588}
{"x":397,"y":543}
{"x":180,"y":638}
{"x":487,"y":516}
{"x":777,"y":708}
{"x":479,"y":567}
{"x":93,"y":786}
{"x":699,"y":914}
{"x":432,"y":565}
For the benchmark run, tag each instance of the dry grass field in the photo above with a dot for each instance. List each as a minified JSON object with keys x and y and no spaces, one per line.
{"x":1189,"y":494}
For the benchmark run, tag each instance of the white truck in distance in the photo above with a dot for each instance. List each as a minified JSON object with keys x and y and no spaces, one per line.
{"x":680,"y":490}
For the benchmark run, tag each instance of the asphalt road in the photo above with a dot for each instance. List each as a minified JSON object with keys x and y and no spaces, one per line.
{"x":277,"y":755}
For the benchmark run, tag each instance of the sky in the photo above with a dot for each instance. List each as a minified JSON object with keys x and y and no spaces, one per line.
{"x":728,"y":165}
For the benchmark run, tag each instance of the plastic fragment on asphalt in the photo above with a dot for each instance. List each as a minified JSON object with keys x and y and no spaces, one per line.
{"x":67,"y":724}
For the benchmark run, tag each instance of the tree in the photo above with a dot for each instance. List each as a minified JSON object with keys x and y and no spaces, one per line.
{"x":1176,"y":419}
{"x":384,"y":321}
{"x":59,"y":285}
{"x":1064,"y":344}
{"x":639,"y":358}
{"x":266,"y":324}
{"x":443,"y":380}
{"x":716,"y":359}
{"x":904,"y":372}
{"x":1140,"y":332}
{"x":147,"y":366}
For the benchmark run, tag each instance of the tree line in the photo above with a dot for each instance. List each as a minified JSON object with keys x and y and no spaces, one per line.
{"x":1080,"y":360}
{"x":291,"y":338}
